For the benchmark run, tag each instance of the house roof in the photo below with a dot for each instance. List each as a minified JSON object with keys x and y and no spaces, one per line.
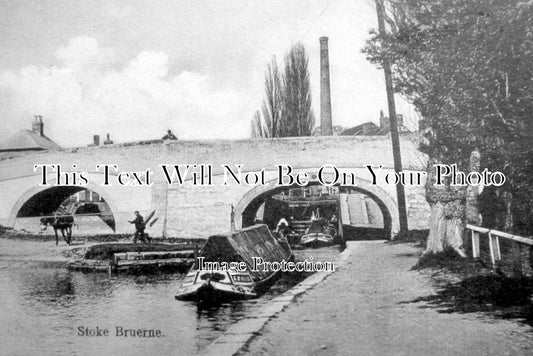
{"x":26,"y":140}
{"x":368,"y":128}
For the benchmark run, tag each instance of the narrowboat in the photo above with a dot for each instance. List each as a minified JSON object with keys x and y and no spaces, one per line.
{"x":227,"y":266}
{"x":318,"y":234}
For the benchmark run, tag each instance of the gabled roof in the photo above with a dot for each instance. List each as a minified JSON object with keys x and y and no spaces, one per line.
{"x":26,"y":140}
{"x":368,"y":128}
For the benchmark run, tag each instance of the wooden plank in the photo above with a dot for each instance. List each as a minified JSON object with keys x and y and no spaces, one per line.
{"x":150,"y":255}
{"x":483,"y":230}
{"x":154,"y":253}
{"x":524,"y":240}
{"x":169,"y":254}
{"x":166,"y":261}
{"x":148,"y":262}
{"x":90,"y":265}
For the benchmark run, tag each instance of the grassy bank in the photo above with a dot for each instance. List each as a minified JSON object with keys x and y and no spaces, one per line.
{"x":466,"y":285}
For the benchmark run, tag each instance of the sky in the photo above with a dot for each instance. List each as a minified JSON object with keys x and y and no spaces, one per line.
{"x":135,"y":68}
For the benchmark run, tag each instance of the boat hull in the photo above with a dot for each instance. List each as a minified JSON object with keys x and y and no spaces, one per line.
{"x":213,"y":291}
{"x":316,"y":240}
{"x":202,"y":288}
{"x":224,"y":269}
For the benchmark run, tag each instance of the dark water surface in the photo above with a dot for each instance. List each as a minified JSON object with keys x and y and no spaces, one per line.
{"x":44,"y":305}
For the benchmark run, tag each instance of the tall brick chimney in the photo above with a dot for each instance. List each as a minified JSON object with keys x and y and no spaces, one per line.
{"x":108,"y":140}
{"x":383,"y":121}
{"x":37,"y":125}
{"x":325,"y":92}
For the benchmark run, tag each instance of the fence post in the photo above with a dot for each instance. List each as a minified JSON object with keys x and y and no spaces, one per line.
{"x":498,"y":253}
{"x":494,"y":245}
{"x":475,"y":244}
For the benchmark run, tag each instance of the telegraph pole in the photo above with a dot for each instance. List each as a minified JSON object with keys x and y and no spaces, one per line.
{"x":400,"y":192}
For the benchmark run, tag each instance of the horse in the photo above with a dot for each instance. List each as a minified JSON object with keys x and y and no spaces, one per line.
{"x":60,"y":222}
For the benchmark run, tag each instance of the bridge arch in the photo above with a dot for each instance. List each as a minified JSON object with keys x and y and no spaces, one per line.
{"x":245,"y":209}
{"x":52,"y":196}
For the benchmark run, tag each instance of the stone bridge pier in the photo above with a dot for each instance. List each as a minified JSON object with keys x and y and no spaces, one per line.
{"x":196,"y":208}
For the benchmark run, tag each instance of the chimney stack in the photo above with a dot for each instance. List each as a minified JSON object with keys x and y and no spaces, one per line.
{"x":383,"y":121}
{"x":108,"y":140}
{"x":325,"y":92}
{"x":399,"y":120}
{"x":37,"y":126}
{"x":96,"y":140}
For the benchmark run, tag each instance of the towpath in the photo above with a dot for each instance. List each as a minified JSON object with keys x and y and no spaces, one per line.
{"x":368,"y":307}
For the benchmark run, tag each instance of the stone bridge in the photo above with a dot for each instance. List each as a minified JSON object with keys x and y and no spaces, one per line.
{"x":197,"y":210}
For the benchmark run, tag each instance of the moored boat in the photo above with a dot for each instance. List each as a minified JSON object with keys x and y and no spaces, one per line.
{"x":227,"y":268}
{"x":317,"y":234}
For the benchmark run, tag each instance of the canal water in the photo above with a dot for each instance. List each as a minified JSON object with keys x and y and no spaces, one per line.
{"x":46,"y":309}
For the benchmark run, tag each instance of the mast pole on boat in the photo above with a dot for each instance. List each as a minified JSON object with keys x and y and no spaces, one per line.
{"x":232,"y":222}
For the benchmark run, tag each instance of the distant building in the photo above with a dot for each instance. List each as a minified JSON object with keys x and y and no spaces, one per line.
{"x":371,"y":129}
{"x":108,"y":140}
{"x":367,"y":129}
{"x":96,"y":141}
{"x":336,"y":130}
{"x":26,"y":140}
{"x":85,"y":202}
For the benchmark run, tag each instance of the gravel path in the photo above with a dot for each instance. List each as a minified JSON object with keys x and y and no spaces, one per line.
{"x":366,"y":308}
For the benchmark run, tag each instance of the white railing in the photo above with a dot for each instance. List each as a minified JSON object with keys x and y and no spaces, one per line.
{"x":517,"y":243}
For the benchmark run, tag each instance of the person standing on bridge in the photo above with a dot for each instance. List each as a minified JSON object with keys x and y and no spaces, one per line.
{"x":169,"y":136}
{"x":139,"y":227}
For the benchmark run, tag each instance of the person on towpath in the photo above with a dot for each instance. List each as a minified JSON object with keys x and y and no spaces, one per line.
{"x":139,"y":228}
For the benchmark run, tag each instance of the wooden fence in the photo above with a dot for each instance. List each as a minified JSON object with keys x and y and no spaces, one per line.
{"x":520,"y":249}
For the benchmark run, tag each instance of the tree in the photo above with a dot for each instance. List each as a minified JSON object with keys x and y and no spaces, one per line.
{"x":286,"y":110}
{"x":297,"y":114}
{"x":269,"y":123}
{"x":465,"y":65}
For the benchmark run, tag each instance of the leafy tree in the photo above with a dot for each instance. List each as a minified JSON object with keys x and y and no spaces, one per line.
{"x":465,"y":65}
{"x":286,"y":109}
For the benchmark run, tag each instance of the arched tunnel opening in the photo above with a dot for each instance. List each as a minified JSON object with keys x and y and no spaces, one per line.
{"x":91,"y":212}
{"x":362,"y":215}
{"x":46,"y":202}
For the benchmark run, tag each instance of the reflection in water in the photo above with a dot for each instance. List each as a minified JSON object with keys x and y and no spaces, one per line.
{"x":45,"y":307}
{"x":51,"y":287}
